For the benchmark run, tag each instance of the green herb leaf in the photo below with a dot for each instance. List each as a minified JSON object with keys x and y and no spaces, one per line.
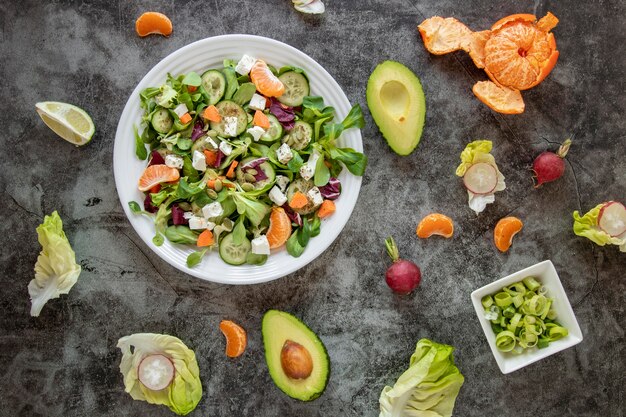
{"x":192,"y":79}
{"x":140,"y":147}
{"x":231,"y":82}
{"x":184,"y":144}
{"x":354,"y":118}
{"x":322,"y":173}
{"x":296,"y":162}
{"x":244,"y":93}
{"x":316,"y":223}
{"x":254,"y":259}
{"x":158,"y":239}
{"x":239,"y":232}
{"x":194,"y":258}
{"x":254,"y":210}
{"x":181,"y":234}
{"x":229,"y":63}
{"x":134,"y":207}
{"x":186,"y":190}
{"x":353,"y":160}
{"x":188,"y":170}
{"x":305,"y":233}
{"x":293,"y":245}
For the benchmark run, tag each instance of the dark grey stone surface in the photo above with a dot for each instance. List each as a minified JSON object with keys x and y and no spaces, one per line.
{"x":65,"y":363}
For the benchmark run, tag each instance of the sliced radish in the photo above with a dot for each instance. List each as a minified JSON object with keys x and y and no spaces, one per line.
{"x":612,"y":218}
{"x":481,"y":178}
{"x":156,"y":372}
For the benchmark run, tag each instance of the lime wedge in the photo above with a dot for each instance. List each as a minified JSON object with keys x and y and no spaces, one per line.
{"x":66,"y":120}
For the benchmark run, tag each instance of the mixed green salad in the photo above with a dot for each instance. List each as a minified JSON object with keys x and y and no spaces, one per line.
{"x":239,"y":166}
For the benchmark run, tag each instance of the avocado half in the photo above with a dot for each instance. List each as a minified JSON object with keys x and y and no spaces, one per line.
{"x":277,"y":328}
{"x":397,"y":104}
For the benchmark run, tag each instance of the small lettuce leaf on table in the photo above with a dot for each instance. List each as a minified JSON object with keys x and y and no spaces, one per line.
{"x":183,"y":394}
{"x":428,"y":388}
{"x":587,"y":226}
{"x":56,"y":270}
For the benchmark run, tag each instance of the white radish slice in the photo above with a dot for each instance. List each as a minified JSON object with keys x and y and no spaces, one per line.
{"x":156,"y":372}
{"x":481,"y":178}
{"x":612,"y":218}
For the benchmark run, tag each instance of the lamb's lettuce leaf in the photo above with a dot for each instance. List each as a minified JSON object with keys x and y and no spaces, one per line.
{"x":184,"y":393}
{"x":428,"y":388}
{"x":56,"y":270}
{"x":587,"y":226}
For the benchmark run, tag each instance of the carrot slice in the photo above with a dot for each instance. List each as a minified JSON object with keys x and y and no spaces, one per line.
{"x":185,"y":118}
{"x":211,"y":157}
{"x":298,"y":200}
{"x":261,"y":120}
{"x":326,"y":209}
{"x":205,"y":239}
{"x":231,"y":171}
{"x":212,"y":114}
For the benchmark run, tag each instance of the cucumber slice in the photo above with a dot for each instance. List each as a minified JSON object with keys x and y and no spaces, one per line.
{"x":234,"y":254}
{"x":214,"y":84}
{"x":303,"y":186}
{"x":296,"y":88}
{"x":162,"y":121}
{"x":204,"y":143}
{"x":228,"y":109}
{"x":274,"y":132}
{"x":299,"y":137}
{"x":266,"y":167}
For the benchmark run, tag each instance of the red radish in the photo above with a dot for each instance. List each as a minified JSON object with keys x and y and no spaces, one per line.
{"x":612,"y":218}
{"x":481,"y":178}
{"x":549,"y":166}
{"x":156,"y":372}
{"x":403,"y":276}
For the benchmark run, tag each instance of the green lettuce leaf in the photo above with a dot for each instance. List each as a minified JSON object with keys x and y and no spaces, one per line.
{"x":470,"y":152}
{"x":56,"y":270}
{"x":184,"y":393}
{"x":587,"y":226}
{"x":428,"y":388}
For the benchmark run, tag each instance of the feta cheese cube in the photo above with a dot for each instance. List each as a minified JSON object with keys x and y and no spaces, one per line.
{"x":260,"y":245}
{"x":174,"y":161}
{"x":256,"y":132}
{"x":199,"y":161}
{"x":212,"y":143}
{"x":282,"y":182}
{"x":226,"y":148}
{"x":210,"y":225}
{"x":257,"y":102}
{"x":284,"y":153}
{"x":315,"y":196}
{"x":197,"y":223}
{"x":188,"y":215}
{"x":230,"y":126}
{"x":313,"y":159}
{"x":245,"y":65}
{"x":180,"y":110}
{"x":277,"y":196}
{"x":307,"y":172}
{"x":212,"y":210}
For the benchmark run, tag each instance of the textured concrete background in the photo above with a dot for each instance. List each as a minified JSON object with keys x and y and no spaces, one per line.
{"x":65,"y":363}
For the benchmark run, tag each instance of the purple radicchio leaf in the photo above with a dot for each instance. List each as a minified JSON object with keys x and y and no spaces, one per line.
{"x":260,"y":175}
{"x":295,"y":217}
{"x":148,"y":206}
{"x":219,"y":159}
{"x":156,"y":159}
{"x":254,"y":163}
{"x":198,"y":130}
{"x":178,"y":215}
{"x":332,"y":190}
{"x":284,"y":114}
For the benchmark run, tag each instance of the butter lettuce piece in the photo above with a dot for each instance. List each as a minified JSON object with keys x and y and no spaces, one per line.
{"x":587,"y":226}
{"x":56,"y":270}
{"x":428,"y":388}
{"x":469,"y":153}
{"x":309,"y":6}
{"x":183,"y":394}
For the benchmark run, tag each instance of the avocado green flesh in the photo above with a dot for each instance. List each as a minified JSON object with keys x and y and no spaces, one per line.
{"x":277,"y":328}
{"x":396,"y":101}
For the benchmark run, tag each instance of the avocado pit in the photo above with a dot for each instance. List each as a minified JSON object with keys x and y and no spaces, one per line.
{"x":296,"y":360}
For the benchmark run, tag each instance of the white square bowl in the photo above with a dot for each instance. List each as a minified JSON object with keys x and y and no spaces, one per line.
{"x":547,"y":275}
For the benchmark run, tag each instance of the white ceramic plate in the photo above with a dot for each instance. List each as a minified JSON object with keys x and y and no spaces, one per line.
{"x":200,"y":56}
{"x":547,"y":275}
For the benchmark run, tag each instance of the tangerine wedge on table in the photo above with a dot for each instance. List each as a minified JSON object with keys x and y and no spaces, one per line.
{"x":435,"y":224}
{"x":505,"y":229}
{"x":517,"y":53}
{"x":157,"y":174}
{"x":153,"y":23}
{"x":265,"y":81}
{"x":280,"y":228}
{"x":236,"y":338}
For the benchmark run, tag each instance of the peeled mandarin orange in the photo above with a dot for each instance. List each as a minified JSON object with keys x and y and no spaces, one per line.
{"x":153,"y":23}
{"x":435,"y":224}
{"x":280,"y":228}
{"x":236,"y":338}
{"x":265,"y":81}
{"x":500,"y":99}
{"x":505,"y":229}
{"x":157,"y":174}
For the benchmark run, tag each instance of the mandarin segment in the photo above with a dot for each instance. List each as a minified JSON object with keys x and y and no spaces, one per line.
{"x":504,"y":231}
{"x":501,"y":99}
{"x":236,"y":338}
{"x":157,"y":174}
{"x":153,"y":23}
{"x":435,"y":224}
{"x":265,"y":81}
{"x":280,"y":228}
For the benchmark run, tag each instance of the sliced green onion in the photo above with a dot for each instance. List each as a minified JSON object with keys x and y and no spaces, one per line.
{"x":487,"y":301}
{"x":505,"y":341}
{"x":531,"y":283}
{"x":503,"y":299}
{"x":509,"y":312}
{"x":518,"y":300}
